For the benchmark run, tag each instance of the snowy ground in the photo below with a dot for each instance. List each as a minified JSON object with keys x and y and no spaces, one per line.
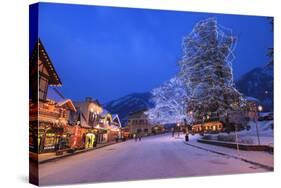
{"x":154,"y":157}
{"x":250,"y":137}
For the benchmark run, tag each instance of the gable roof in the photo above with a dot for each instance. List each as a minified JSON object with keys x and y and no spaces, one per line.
{"x":104,"y":113}
{"x":68,"y":103}
{"x":116,"y":117}
{"x":40,"y":52}
{"x":252,"y":99}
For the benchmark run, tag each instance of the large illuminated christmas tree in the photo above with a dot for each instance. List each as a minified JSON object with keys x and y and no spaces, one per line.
{"x":206,"y":68}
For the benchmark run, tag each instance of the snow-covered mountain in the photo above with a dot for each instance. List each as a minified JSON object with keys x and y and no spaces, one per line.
{"x":129,"y":103}
{"x":258,"y":83}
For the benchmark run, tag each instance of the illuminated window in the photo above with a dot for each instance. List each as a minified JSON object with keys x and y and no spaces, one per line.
{"x":43,"y":87}
{"x":50,"y":139}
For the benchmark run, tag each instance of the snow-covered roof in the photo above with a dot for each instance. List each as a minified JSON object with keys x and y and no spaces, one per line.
{"x":68,"y":103}
{"x":104,"y":112}
{"x":115,"y":116}
{"x":253,"y":99}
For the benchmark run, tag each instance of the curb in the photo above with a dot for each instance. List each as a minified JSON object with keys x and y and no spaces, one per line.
{"x":75,"y":153}
{"x":270,"y":168}
{"x":245,"y":147}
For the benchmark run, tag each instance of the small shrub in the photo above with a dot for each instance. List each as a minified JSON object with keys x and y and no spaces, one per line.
{"x":226,"y":138}
{"x":246,"y":141}
{"x":207,"y":137}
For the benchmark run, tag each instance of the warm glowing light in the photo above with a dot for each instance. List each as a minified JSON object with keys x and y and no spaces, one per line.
{"x":260,"y":108}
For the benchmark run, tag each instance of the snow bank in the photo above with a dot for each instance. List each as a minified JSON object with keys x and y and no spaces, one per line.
{"x":265,"y":129}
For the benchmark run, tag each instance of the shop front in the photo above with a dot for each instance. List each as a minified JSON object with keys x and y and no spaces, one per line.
{"x":90,"y":140}
{"x":114,"y":134}
{"x":47,"y":138}
{"x":208,"y":127}
{"x":102,"y":135}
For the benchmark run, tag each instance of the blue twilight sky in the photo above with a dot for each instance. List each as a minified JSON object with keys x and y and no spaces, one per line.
{"x":107,"y":52}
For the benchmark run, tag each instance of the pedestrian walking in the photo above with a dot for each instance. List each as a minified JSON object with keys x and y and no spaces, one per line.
{"x":135,"y":137}
{"x":139,"y":137}
{"x":173,"y":132}
{"x":95,"y":140}
{"x":187,"y":137}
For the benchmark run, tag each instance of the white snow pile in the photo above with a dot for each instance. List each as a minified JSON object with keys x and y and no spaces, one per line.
{"x":265,"y":129}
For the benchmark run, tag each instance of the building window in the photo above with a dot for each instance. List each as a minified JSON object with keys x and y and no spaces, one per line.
{"x":43,"y":87}
{"x":50,"y":139}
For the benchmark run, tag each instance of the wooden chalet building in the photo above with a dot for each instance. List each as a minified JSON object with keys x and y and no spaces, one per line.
{"x":48,"y":118}
{"x":138,"y":123}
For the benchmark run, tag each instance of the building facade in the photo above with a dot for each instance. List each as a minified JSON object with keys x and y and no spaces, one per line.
{"x":207,"y":127}
{"x":58,"y":124}
{"x":138,"y":123}
{"x":102,"y":128}
{"x":48,"y":118}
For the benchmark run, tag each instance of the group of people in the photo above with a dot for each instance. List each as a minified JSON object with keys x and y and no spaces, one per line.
{"x":137,"y":137}
{"x":185,"y":131}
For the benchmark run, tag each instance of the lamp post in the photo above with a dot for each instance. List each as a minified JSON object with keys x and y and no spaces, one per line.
{"x":178,"y":127}
{"x":202,"y":126}
{"x":258,"y":110}
{"x":236,"y":139}
{"x":191,"y":115}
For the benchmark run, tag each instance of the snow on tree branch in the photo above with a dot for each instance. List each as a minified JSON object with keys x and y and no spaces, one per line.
{"x":170,"y":102}
{"x":206,"y":68}
{"x":204,"y":85}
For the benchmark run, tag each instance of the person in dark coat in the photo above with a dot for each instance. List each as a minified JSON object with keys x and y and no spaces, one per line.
{"x":135,"y":137}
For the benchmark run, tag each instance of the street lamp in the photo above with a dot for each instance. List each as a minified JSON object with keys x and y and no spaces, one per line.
{"x":258,"y":110}
{"x":178,"y":125}
{"x":202,"y":125}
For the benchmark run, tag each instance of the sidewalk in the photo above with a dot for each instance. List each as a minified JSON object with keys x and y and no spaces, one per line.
{"x":260,"y":158}
{"x":47,"y":157}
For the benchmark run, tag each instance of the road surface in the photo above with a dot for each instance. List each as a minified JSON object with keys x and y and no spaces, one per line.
{"x":152,"y":158}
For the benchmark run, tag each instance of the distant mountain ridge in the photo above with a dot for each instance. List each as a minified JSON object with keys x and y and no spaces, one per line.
{"x":129,"y":103}
{"x":256,"y":83}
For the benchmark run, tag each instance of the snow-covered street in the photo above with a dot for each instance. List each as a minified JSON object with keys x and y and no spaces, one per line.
{"x":154,"y":157}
